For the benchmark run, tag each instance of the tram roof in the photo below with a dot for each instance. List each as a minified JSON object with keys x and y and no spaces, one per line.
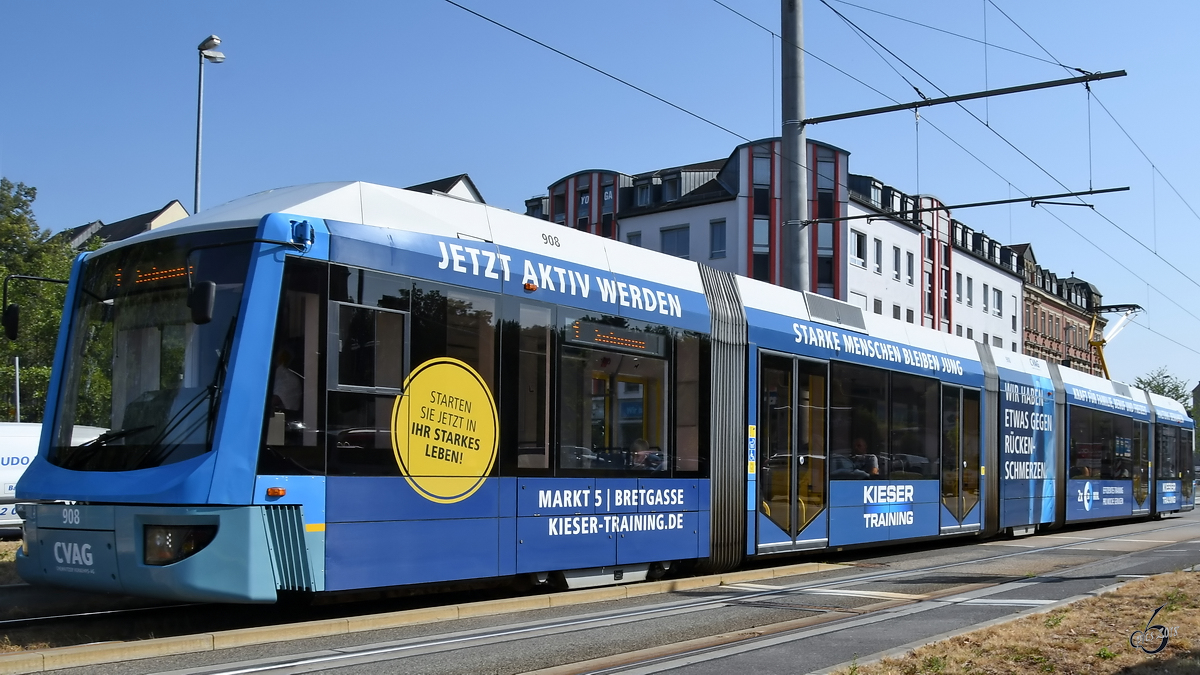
{"x":359,"y":202}
{"x":1175,"y":411}
{"x":346,"y":201}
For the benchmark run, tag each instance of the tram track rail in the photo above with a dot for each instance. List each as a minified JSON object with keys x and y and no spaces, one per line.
{"x":23,"y":622}
{"x":828,"y":618}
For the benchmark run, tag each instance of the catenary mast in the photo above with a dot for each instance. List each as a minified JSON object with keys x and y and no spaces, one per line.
{"x":796,"y":256}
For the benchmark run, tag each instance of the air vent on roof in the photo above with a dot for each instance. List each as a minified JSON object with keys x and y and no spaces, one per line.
{"x":1122,"y":389}
{"x":828,"y":310}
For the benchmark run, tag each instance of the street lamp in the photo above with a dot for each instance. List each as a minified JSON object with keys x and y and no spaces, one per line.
{"x":208,"y":53}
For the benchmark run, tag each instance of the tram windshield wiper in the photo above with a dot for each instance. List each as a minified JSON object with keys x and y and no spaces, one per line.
{"x":108,"y":436}
{"x":159,"y":448}
{"x":84,"y":451}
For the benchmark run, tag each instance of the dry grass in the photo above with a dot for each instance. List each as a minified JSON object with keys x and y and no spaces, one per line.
{"x":1091,"y":636}
{"x":8,"y":568}
{"x":7,"y":645}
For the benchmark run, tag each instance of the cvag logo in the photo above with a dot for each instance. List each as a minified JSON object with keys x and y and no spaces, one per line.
{"x":71,"y":553}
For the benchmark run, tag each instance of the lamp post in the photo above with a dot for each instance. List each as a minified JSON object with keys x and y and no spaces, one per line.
{"x":208,"y":53}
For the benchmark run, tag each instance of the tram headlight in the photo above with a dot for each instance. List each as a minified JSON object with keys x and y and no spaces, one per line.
{"x":166,"y":544}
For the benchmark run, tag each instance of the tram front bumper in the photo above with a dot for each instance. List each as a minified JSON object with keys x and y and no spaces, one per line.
{"x":102,"y":548}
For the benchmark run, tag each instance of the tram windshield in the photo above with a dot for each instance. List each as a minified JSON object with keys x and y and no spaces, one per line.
{"x":136,"y":363}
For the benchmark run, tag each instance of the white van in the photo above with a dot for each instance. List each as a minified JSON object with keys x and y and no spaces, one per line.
{"x":18,"y":447}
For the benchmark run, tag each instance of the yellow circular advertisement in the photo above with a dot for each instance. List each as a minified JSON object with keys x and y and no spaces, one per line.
{"x":444,"y":430}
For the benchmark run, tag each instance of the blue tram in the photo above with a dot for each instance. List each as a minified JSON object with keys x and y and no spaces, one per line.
{"x":345,"y":386}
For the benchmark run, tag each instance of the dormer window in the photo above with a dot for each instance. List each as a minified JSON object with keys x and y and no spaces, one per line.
{"x":643,"y":194}
{"x":670,"y":189}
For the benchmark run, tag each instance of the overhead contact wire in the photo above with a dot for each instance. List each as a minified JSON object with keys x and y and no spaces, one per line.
{"x":1031,"y":160}
{"x":1120,"y":126}
{"x":1043,"y":170}
{"x":992,"y":169}
{"x":737,"y":135}
{"x":1055,"y":61}
{"x":1052,"y":214}
{"x":984,"y":41}
{"x":1169,"y":339}
{"x":601,"y":71}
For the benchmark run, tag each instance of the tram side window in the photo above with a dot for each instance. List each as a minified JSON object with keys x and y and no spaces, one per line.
{"x":1104,"y":439}
{"x":370,"y":347}
{"x":444,"y":322}
{"x":858,"y":432}
{"x":971,"y":447}
{"x":527,"y":396}
{"x":1185,"y":461}
{"x":368,"y":335}
{"x":951,"y":444}
{"x":915,"y":428}
{"x":457,"y":323}
{"x":373,"y":289}
{"x":1083,"y":457}
{"x":292,"y":441}
{"x":883,"y":426}
{"x":1141,"y":461}
{"x":691,"y":390}
{"x":1168,"y":452}
{"x":1123,"y":461}
{"x":611,"y":406}
{"x":1101,"y":445}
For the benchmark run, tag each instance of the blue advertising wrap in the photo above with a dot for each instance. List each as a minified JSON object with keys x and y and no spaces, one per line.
{"x":582,"y":522}
{"x":1108,"y":403}
{"x":508,"y":526}
{"x":1026,"y":449}
{"x":1089,"y":499}
{"x":493,"y":268}
{"x":1170,"y":495}
{"x":783,"y":333}
{"x":868,"y":511}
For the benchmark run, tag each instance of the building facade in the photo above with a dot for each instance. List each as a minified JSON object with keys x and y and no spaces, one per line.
{"x":1058,"y":315}
{"x":893,"y":254}
{"x":725,"y":213}
{"x":987,"y":289}
{"x":909,"y":257}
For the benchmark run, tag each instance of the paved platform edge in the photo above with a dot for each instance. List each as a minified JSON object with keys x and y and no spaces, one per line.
{"x":114,"y":652}
{"x":906,"y":648}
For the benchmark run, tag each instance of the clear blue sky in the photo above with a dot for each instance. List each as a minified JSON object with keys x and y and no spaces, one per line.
{"x":99,"y":112}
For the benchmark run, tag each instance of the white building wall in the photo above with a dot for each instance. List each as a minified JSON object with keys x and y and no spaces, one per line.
{"x":698,"y":220}
{"x":865,"y":285}
{"x":978,"y":316}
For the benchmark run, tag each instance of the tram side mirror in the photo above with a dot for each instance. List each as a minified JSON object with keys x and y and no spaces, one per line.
{"x":11,"y":320}
{"x":200,"y":300}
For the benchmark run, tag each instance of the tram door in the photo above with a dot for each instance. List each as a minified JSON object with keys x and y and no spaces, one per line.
{"x":792,"y":418}
{"x":960,"y":458}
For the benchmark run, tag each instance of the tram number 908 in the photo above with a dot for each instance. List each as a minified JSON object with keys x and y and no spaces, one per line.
{"x":70,"y":516}
{"x":550,"y":240}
